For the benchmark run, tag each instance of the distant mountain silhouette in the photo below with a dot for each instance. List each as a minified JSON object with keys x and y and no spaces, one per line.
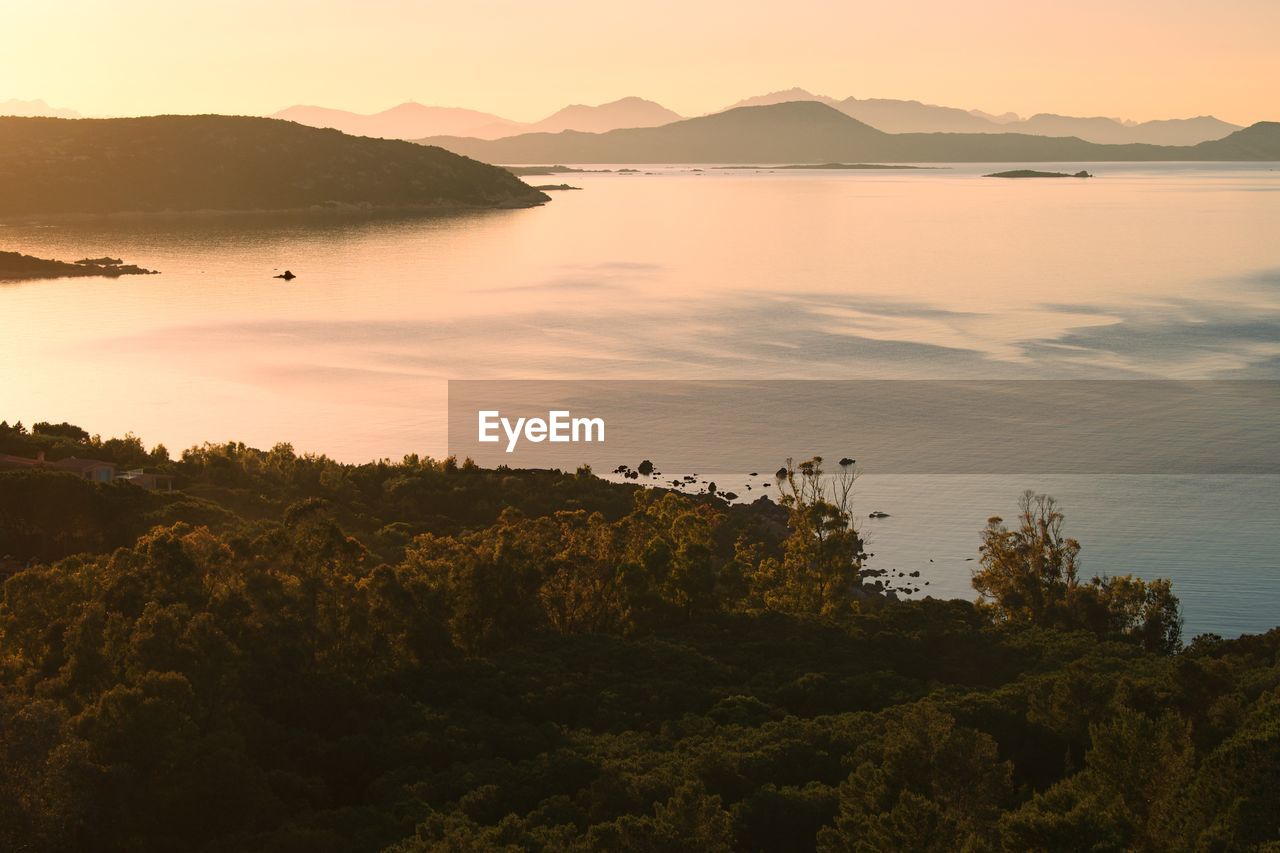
{"x":414,"y":121}
{"x":175,"y":164}
{"x":1178,"y":131}
{"x":1003,"y":118}
{"x":793,"y":132}
{"x":811,"y":132}
{"x":407,"y":121}
{"x":626,"y":112}
{"x":897,"y":116}
{"x":15,"y":107}
{"x":1259,"y":142}
{"x":783,"y":96}
{"x":885,"y":114}
{"x":894,"y":116}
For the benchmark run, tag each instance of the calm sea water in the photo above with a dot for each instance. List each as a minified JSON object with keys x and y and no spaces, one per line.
{"x":1145,"y":271}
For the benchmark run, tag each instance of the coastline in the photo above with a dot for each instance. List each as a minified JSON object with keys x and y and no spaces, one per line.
{"x":17,"y":267}
{"x":336,"y":210}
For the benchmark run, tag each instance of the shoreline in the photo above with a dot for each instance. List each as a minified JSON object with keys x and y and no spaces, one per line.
{"x":17,"y":267}
{"x":349,"y":210}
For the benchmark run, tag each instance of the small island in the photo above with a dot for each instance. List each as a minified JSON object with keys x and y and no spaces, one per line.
{"x":1032,"y":173}
{"x":540,"y":171}
{"x":834,"y":166}
{"x":19,"y":267}
{"x":544,"y":171}
{"x":555,"y":187}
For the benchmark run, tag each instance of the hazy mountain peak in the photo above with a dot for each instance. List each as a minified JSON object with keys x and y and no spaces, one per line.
{"x":412,"y":120}
{"x":1189,"y":131}
{"x":631,"y":111}
{"x":796,"y":132}
{"x":1002,"y":118}
{"x":408,"y":107}
{"x":911,"y":116}
{"x":409,"y":120}
{"x":782,"y":96}
{"x":808,"y":108}
{"x":1076,"y":118}
{"x":792,"y":131}
{"x":38,"y":107}
{"x":632,"y":100}
{"x":899,"y":116}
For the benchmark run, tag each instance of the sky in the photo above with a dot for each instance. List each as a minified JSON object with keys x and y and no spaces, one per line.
{"x":1135,"y":59}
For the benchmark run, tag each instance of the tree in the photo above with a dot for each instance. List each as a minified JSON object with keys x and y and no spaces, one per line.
{"x":1128,"y":797}
{"x":1026,"y":573}
{"x":1031,"y":576}
{"x":932,"y":785}
{"x":488,"y":580}
{"x":1147,"y":611}
{"x":821,"y":568}
{"x":64,"y":430}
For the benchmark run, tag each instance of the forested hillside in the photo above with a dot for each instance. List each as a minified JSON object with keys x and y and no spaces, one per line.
{"x":294,"y":654}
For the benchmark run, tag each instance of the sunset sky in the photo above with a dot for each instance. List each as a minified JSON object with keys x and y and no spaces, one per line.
{"x":1138,"y":59}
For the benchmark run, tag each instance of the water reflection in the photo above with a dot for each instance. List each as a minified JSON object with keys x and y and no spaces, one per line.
{"x":1168,"y":270}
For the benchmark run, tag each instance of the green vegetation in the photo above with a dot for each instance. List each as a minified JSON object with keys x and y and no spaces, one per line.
{"x":176,"y":164}
{"x":16,"y":267}
{"x":294,"y":654}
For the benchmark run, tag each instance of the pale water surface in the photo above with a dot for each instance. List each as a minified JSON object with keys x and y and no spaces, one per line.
{"x":1169,"y":271}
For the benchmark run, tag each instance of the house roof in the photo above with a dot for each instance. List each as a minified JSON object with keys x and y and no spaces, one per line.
{"x":8,"y":459}
{"x":71,"y":463}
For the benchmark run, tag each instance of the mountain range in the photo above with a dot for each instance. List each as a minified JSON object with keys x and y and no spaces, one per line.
{"x":406,"y":121}
{"x":413,"y":120}
{"x":813,"y":132}
{"x":15,"y":107}
{"x":416,"y":121}
{"x":896,"y":116}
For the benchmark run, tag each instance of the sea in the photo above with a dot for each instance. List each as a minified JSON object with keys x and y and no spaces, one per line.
{"x":1143,"y":272}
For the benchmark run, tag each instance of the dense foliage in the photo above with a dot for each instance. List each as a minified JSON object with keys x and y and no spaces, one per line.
{"x":293,"y":654}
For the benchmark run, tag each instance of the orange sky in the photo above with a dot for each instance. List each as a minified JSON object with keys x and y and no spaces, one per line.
{"x":1137,"y":59}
